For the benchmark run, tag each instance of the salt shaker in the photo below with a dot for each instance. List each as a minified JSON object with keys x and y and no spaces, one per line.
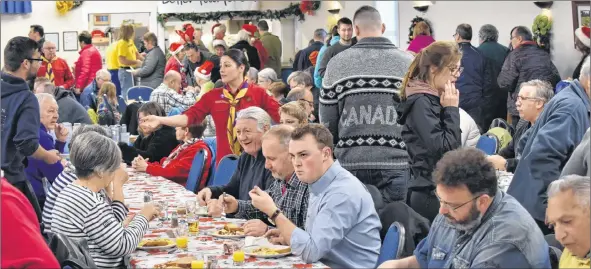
{"x":147,"y":196}
{"x":174,"y":220}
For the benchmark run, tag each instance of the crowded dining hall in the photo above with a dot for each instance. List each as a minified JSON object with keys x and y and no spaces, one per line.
{"x":295,"y":134}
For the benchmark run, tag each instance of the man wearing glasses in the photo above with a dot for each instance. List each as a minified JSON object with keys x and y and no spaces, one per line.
{"x":21,"y":62}
{"x":303,"y":90}
{"x":55,"y":68}
{"x":478,"y":226}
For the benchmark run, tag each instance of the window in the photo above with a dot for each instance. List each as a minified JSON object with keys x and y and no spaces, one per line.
{"x":389,"y":12}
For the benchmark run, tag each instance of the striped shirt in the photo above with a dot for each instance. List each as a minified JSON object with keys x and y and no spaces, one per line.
{"x":64,"y":179}
{"x":168,"y":98}
{"x":80,"y":213}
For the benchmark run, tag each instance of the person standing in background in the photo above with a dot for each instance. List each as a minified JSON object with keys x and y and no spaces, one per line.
{"x":421,"y":38}
{"x":582,"y":44}
{"x":128,"y":57}
{"x":55,"y":68}
{"x":112,"y":61}
{"x":255,"y":41}
{"x":302,"y":58}
{"x":152,"y":70}
{"x":345,"y":28}
{"x":89,"y":62}
{"x":273,"y":45}
{"x":37,"y":33}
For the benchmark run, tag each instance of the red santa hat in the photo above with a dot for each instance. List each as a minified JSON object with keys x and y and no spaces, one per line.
{"x":204,"y":71}
{"x":220,"y":42}
{"x":175,"y":48}
{"x":189,"y":32}
{"x":584,"y":35}
{"x":250,"y":28}
{"x":213,"y":28}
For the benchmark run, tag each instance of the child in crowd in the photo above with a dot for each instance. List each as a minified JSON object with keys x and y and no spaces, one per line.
{"x":110,"y":90}
{"x":203,"y":77}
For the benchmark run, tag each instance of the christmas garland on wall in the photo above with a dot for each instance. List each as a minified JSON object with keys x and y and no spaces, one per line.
{"x":542,"y":30}
{"x":414,"y":22}
{"x":64,"y":7}
{"x":199,"y":18}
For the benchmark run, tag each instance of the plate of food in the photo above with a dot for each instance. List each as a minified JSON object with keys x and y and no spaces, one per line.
{"x":230,"y":230}
{"x":157,"y":243}
{"x":272,"y":251}
{"x":184,"y":262}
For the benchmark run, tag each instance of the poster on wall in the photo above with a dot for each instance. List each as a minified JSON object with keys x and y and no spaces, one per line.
{"x":205,"y":6}
{"x":581,"y":15}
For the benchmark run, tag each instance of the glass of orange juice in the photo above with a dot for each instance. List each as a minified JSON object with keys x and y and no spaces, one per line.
{"x":182,"y":237}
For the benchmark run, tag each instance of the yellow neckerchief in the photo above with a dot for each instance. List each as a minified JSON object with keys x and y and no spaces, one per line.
{"x":233,"y":101}
{"x":49,"y":72}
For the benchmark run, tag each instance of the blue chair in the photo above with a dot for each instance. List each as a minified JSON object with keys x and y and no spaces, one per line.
{"x":196,"y":171}
{"x":212,"y":144}
{"x":393,"y":243}
{"x":175,"y":111}
{"x":134,"y":93}
{"x":225,"y":170}
{"x":487,"y":144}
{"x":122,"y":104}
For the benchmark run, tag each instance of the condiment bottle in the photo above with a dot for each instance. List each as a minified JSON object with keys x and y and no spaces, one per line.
{"x":174,"y":220}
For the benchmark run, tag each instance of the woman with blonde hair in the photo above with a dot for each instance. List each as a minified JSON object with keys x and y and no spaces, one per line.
{"x":110,"y":90}
{"x":128,"y":57}
{"x":422,"y":38}
{"x":293,"y":113}
{"x":431,"y":118}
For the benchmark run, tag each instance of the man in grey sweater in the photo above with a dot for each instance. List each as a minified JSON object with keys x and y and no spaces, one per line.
{"x":358,"y":104}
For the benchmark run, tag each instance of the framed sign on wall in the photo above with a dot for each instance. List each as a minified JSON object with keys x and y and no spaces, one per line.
{"x":70,"y":40}
{"x":101,"y":19}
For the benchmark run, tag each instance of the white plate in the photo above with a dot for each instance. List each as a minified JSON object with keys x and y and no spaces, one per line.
{"x":171,"y":245}
{"x":248,"y":251}
{"x":214,"y":234}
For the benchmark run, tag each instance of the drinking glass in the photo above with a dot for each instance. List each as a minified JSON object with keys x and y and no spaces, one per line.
{"x":163,"y":208}
{"x":182,"y":237}
{"x":193,"y":223}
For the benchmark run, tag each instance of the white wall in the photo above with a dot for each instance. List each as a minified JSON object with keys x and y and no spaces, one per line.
{"x":45,"y":14}
{"x":446,"y":15}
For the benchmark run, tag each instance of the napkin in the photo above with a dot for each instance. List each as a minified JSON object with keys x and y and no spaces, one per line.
{"x":257,"y":241}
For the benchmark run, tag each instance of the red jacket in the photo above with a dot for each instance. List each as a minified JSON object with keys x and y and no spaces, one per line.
{"x":213,"y":103}
{"x":89,"y":62}
{"x":22,"y":243}
{"x":178,"y":168}
{"x":62,"y":73}
{"x":263,"y":55}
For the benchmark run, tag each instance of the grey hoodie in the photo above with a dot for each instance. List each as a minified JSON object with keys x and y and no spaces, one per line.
{"x":69,"y":109}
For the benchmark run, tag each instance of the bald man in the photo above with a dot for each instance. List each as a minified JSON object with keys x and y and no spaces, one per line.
{"x":364,"y":111}
{"x":55,"y":68}
{"x":167,"y":94}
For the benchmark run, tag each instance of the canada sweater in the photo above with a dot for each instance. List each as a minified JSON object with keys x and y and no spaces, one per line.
{"x":358,"y":101}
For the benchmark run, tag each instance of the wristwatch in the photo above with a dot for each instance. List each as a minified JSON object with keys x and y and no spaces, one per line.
{"x":274,"y":216}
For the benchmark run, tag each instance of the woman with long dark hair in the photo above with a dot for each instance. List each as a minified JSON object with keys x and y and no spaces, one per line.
{"x":223,"y":104}
{"x":431,"y":118}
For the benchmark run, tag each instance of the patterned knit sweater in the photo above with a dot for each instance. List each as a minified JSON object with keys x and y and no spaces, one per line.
{"x":358,"y":101}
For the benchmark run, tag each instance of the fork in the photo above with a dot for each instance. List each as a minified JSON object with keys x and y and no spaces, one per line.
{"x":223,"y":206}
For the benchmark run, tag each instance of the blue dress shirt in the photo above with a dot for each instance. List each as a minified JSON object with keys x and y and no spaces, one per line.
{"x":342,"y":226}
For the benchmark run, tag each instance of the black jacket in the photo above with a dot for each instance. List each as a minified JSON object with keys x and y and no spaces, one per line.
{"x":509,"y":152}
{"x":429,"y":131}
{"x":129,"y":118}
{"x":251,"y":52}
{"x":302,"y":58}
{"x":155,"y":146}
{"x":525,"y":63}
{"x":69,"y":109}
{"x":496,"y":102}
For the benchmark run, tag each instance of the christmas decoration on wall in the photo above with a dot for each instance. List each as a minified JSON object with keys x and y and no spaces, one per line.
{"x":542,"y":30}
{"x":64,"y":7}
{"x":414,"y":22}
{"x":309,"y":7}
{"x":256,"y":15}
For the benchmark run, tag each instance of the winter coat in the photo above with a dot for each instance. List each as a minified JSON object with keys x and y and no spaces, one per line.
{"x":251,"y":53}
{"x":156,"y":146}
{"x":152,"y":70}
{"x":429,"y":131}
{"x":495,"y":55}
{"x":526,"y":62}
{"x":302,"y":58}
{"x":273,"y":46}
{"x":473,"y":82}
{"x":89,"y":62}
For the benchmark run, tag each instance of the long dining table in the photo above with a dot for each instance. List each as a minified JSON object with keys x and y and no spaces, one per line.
{"x":202,"y":245}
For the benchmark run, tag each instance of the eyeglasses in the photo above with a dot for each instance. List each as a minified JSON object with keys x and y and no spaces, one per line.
{"x":523,"y":98}
{"x":456,"y":69}
{"x":35,"y":59}
{"x":454,"y":208}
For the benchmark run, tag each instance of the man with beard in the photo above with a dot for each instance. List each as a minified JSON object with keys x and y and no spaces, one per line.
{"x":478,"y":226}
{"x":19,"y":105}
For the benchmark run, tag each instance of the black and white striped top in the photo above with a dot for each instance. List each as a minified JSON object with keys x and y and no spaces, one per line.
{"x":81,"y":213}
{"x":64,"y":179}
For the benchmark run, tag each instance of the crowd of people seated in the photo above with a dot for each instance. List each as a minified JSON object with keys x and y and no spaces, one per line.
{"x":361,"y":135}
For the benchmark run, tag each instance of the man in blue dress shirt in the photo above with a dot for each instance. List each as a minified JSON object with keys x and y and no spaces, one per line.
{"x":342,"y":226}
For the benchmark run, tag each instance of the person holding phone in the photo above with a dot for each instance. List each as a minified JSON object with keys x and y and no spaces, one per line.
{"x":431,"y":118}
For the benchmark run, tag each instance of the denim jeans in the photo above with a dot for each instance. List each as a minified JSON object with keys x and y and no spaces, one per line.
{"x":392,"y":183}
{"x":115,"y":79}
{"x":126,"y":81}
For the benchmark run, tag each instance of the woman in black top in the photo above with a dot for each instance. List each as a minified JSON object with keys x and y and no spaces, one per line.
{"x":153,"y":144}
{"x":431,"y":118}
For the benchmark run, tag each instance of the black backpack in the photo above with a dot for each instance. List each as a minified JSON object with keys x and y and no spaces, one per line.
{"x":69,"y":252}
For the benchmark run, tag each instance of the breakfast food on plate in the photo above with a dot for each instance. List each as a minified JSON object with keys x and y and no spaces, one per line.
{"x":178,"y":263}
{"x":159,"y":242}
{"x":231,"y":229}
{"x":270,"y":251}
{"x":181,"y":211}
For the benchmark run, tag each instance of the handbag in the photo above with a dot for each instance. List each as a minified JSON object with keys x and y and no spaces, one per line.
{"x":70,"y":252}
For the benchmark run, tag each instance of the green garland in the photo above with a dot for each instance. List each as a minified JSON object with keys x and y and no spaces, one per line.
{"x":199,"y":18}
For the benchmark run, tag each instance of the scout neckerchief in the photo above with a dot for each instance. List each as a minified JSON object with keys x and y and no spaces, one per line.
{"x":179,"y":149}
{"x":49,"y":73}
{"x":233,"y":101}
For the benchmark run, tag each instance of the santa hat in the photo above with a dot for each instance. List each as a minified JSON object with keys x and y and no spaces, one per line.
{"x":213,"y":28}
{"x":252,"y":29}
{"x":189,"y":32}
{"x":584,"y":35}
{"x":204,"y":71}
{"x":219,"y":42}
{"x":175,"y":48}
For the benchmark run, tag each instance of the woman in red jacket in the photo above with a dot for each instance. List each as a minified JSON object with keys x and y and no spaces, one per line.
{"x":177,"y":165}
{"x":223,"y":104}
{"x":88,"y":63}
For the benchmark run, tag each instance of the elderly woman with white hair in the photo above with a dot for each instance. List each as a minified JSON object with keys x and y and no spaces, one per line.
{"x":81,"y":212}
{"x":243,"y":44}
{"x":67,"y":176}
{"x":266,"y":77}
{"x":251,"y":125}
{"x":38,"y":172}
{"x":252,"y":76}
